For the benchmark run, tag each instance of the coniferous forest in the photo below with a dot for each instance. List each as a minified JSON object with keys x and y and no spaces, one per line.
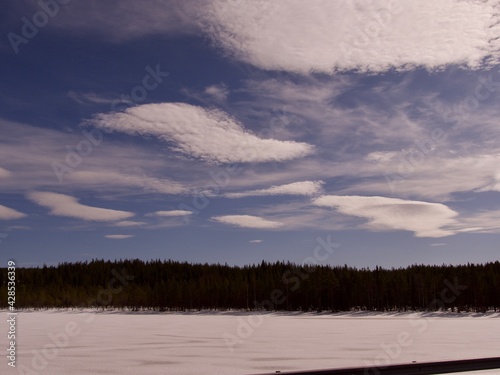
{"x":171,"y":285}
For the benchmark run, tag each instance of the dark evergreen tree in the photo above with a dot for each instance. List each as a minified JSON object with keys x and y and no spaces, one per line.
{"x":169,"y":285}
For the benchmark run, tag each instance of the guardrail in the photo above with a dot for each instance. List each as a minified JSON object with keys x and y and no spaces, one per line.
{"x":424,"y":368}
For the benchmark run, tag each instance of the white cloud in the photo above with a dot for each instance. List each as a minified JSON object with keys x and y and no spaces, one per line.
{"x":423,"y":218}
{"x":247,"y":221}
{"x":128,"y":223}
{"x":299,"y":215}
{"x":255,"y":241}
{"x":211,"y":135}
{"x":65,"y":205}
{"x":118,"y":236}
{"x":7,"y":213}
{"x":4,"y":173}
{"x":307,"y":188}
{"x":317,"y":35}
{"x":218,"y":92}
{"x":325,"y":36}
{"x":173,"y":213}
{"x":382,"y":156}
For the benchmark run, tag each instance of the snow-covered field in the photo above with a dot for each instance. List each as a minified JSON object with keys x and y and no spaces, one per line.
{"x":75,"y":342}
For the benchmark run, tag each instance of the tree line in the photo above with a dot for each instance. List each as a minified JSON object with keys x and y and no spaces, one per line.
{"x":281,"y":286}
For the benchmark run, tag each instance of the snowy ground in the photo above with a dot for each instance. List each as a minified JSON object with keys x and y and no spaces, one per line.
{"x":75,"y":342}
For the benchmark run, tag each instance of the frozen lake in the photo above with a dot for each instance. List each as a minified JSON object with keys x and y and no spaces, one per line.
{"x":77,"y":343}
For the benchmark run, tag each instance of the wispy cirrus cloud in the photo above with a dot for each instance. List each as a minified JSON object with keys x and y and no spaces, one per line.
{"x":208,"y":134}
{"x":129,"y":223}
{"x":247,"y":221}
{"x":65,"y":205}
{"x":423,"y":218}
{"x":437,"y":175}
{"x":172,"y":213}
{"x":18,"y":227}
{"x":483,"y":221}
{"x":115,"y":167}
{"x":4,"y":173}
{"x":119,"y":179}
{"x":119,"y":236}
{"x":125,"y":20}
{"x":218,"y":92}
{"x":307,"y":188}
{"x":493,"y":183}
{"x":325,"y":36}
{"x":7,"y":213}
{"x":90,"y":98}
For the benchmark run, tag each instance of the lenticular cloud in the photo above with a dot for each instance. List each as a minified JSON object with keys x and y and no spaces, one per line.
{"x":65,"y":205}
{"x":423,"y":218}
{"x":247,"y":221}
{"x":210,"y":135}
{"x":7,"y":213}
{"x":307,"y":188}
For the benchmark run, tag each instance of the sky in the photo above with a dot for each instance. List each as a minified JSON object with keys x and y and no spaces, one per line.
{"x":240,"y":131}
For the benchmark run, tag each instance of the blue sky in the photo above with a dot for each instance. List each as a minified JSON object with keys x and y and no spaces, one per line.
{"x":233,"y":131}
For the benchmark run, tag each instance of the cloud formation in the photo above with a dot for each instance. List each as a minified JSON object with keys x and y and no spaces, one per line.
{"x":208,"y":134}
{"x":126,"y":19}
{"x":314,"y":36}
{"x":436,"y":176}
{"x":7,"y":213}
{"x":483,"y":221}
{"x":120,"y":168}
{"x":4,"y":173}
{"x":218,"y":92}
{"x":494,"y":183}
{"x":327,"y":36}
{"x":423,"y":218}
{"x":247,"y":221}
{"x":118,"y":236}
{"x":115,"y":179}
{"x":307,"y":188}
{"x":173,"y":213}
{"x":90,"y":98}
{"x":127,"y":223}
{"x":65,"y":205}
